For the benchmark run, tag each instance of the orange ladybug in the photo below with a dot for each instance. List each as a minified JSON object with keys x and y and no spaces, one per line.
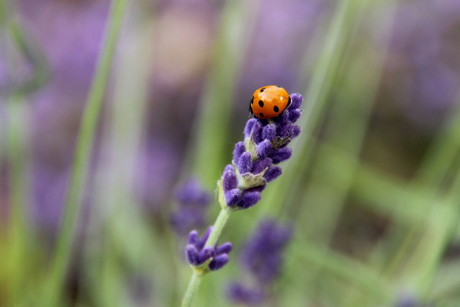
{"x":269,"y":101}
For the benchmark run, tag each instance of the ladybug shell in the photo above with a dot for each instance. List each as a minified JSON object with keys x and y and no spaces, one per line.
{"x":269,"y":101}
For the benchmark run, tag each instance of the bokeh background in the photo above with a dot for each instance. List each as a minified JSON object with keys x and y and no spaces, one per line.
{"x":371,"y":195}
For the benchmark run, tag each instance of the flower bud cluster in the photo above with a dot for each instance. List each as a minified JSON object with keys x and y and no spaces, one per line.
{"x":206,"y":258}
{"x":255,"y":160}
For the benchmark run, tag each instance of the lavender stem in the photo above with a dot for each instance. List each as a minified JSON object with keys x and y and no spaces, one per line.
{"x":218,"y":226}
{"x":65,"y":242}
{"x":194,"y":283}
{"x":191,"y":289}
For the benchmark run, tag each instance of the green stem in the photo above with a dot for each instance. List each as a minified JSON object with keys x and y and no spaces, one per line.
{"x":218,"y":226}
{"x":192,"y":289}
{"x":212,"y":240}
{"x":14,"y":145}
{"x":85,"y":139}
{"x":18,"y":163}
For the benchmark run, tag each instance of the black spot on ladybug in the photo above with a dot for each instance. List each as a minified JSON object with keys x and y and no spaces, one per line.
{"x":262,"y":90}
{"x":278,"y":86}
{"x":289,"y":102}
{"x":261,"y":114}
{"x":276,"y":109}
{"x":261,"y":103}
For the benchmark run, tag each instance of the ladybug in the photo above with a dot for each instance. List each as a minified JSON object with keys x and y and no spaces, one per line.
{"x":269,"y":101}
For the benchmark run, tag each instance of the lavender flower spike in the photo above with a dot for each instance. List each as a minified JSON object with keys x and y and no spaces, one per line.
{"x":206,"y":258}
{"x":240,"y":187}
{"x":265,"y":143}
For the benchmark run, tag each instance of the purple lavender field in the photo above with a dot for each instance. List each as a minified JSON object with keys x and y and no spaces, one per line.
{"x":129,"y":168}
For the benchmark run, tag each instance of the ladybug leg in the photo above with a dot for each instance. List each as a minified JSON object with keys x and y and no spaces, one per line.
{"x":250,"y":115}
{"x":289,"y":102}
{"x":250,"y":104}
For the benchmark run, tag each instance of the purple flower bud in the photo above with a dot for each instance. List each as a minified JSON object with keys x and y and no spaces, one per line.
{"x":296,"y":101}
{"x":283,"y":118}
{"x":193,"y":237}
{"x":205,"y":237}
{"x":295,"y":131}
{"x":259,"y":189}
{"x":280,"y":154}
{"x":248,"y":129}
{"x":224,"y":248}
{"x":284,"y":131}
{"x":229,"y":168}
{"x":205,"y":254}
{"x":272,"y":173}
{"x":294,"y":115}
{"x":269,"y":132}
{"x":245,"y":163}
{"x":218,"y":262}
{"x":229,"y":181}
{"x":263,"y":149}
{"x":249,"y":199}
{"x":220,"y":256}
{"x":239,"y":150}
{"x":257,"y":130}
{"x":263,"y":122}
{"x":197,"y":254}
{"x":260,"y":165}
{"x":239,"y":294}
{"x":198,"y":258}
{"x":232,"y":197}
{"x":191,"y":254}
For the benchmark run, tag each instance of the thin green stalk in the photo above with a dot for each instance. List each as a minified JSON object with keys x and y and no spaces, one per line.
{"x":357,"y":274}
{"x":343,"y":22}
{"x":212,"y":240}
{"x":434,"y":169}
{"x":421,"y":264}
{"x":19,"y":44}
{"x":35,"y":57}
{"x":192,"y":289}
{"x":442,"y":153}
{"x":218,"y":226}
{"x":18,"y":166}
{"x":16,"y":143}
{"x":85,"y":139}
{"x":442,"y":224}
{"x":413,"y":202}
